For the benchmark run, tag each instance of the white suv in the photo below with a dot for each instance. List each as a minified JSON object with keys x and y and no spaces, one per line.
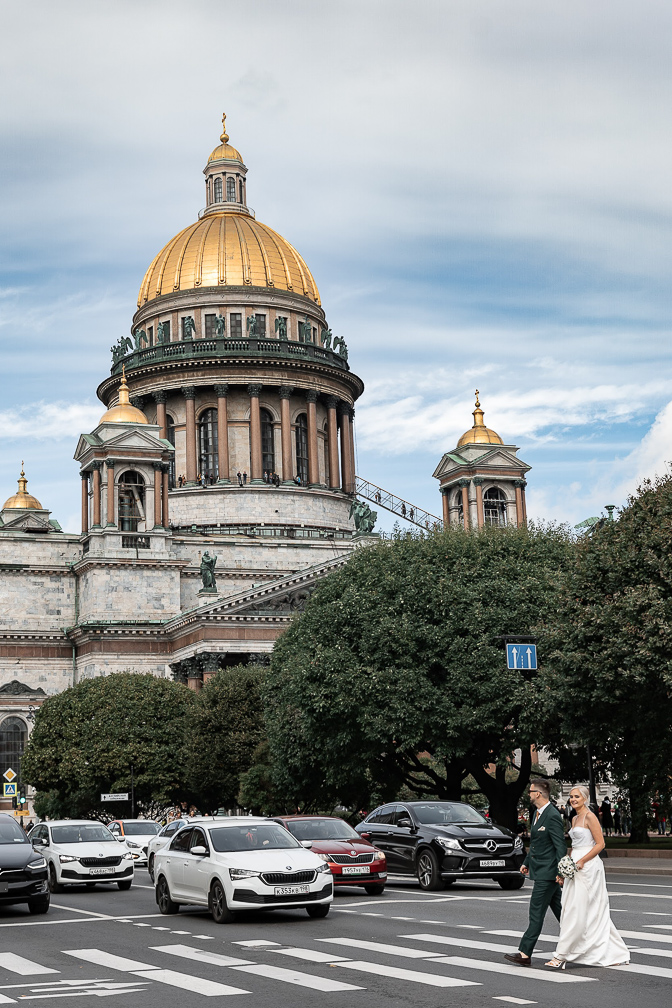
{"x":79,"y":851}
{"x":240,"y":863}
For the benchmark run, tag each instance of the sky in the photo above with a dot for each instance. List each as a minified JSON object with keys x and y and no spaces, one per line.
{"x":480,"y":188}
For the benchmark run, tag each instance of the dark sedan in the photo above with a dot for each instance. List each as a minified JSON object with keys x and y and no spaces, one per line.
{"x":440,"y":842}
{"x":23,"y":871}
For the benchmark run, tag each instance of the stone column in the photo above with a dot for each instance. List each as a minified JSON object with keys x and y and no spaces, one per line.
{"x":255,"y":434}
{"x":521,"y":514}
{"x":286,"y":392}
{"x":194,"y":677}
{"x":313,"y":456}
{"x":85,"y":502}
{"x":351,"y":439}
{"x":189,"y":393}
{"x":221,"y":391}
{"x":97,"y":466}
{"x":445,"y":494}
{"x":480,"y":517}
{"x":347,"y":481}
{"x":332,"y":442}
{"x":165,"y":468}
{"x":210,"y":667}
{"x":109,"y":463}
{"x":158,"y":480}
{"x":160,"y":400}
{"x":464,"y":486}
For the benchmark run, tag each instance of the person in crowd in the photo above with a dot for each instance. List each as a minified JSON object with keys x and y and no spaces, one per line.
{"x":606,"y":817}
{"x":240,"y":478}
{"x":617,"y":818}
{"x":244,"y":478}
{"x":587,"y":933}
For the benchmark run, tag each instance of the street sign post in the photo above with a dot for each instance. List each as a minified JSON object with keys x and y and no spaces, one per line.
{"x":112,"y":797}
{"x":521,"y":656}
{"x":9,"y":790}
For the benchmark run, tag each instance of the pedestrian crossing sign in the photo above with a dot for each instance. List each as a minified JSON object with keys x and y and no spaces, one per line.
{"x":9,"y":790}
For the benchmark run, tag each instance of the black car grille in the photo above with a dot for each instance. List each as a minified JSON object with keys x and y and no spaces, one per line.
{"x":16,"y":876}
{"x":478,"y":847}
{"x":100,"y":862}
{"x":282,"y":878}
{"x":346,"y":859}
{"x":247,"y":896}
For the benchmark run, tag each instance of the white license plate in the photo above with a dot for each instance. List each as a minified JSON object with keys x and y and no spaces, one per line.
{"x":355,"y":870}
{"x":493,"y":864}
{"x":290,"y":890}
{"x":101,"y":871}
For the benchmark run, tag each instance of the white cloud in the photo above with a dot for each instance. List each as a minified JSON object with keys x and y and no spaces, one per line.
{"x":56,"y":421}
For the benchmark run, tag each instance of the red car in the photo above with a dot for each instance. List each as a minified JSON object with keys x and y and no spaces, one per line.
{"x":353,"y":860}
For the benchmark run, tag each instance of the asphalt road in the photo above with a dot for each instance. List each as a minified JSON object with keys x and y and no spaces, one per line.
{"x":403,"y":948}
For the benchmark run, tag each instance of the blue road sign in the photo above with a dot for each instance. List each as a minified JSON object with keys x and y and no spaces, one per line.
{"x":521,"y":656}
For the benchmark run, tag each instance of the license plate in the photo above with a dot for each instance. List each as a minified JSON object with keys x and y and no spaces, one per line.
{"x":290,"y":890}
{"x":358,"y":870}
{"x":493,"y":864}
{"x":101,"y":871}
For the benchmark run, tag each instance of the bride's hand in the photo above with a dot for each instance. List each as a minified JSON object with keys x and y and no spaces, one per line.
{"x":579,"y":864}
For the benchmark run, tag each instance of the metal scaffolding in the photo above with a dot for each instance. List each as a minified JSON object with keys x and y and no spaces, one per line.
{"x":389,"y":501}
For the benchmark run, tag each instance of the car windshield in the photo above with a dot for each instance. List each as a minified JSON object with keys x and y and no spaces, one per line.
{"x":81,"y":834}
{"x":265,"y":836}
{"x":321,"y":829}
{"x":10,"y":832}
{"x":140,"y":828}
{"x":439,"y":813}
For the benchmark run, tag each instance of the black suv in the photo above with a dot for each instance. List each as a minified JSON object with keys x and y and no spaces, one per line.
{"x":23,"y":870}
{"x":440,"y":842}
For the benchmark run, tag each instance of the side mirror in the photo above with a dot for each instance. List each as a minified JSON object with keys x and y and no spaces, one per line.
{"x":38,"y":842}
{"x":119,"y":838}
{"x":199,"y":851}
{"x":405,"y":822}
{"x":366,"y":836}
{"x":307,"y":844}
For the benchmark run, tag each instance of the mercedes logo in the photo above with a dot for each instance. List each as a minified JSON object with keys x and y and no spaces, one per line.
{"x":490,"y":845}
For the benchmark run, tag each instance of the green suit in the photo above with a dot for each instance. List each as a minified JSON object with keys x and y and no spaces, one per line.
{"x":547,"y":846}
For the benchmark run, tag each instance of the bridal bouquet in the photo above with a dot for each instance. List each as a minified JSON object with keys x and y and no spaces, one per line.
{"x":567,"y":867}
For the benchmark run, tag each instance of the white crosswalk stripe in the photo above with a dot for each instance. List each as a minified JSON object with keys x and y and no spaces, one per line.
{"x":209,"y":988}
{"x":25,"y":967}
{"x":100,"y":958}
{"x":663,"y":953}
{"x":413,"y":976}
{"x":294,"y":977}
{"x":200,"y":955}
{"x":647,"y":970}
{"x":462,"y":942}
{"x":371,"y":946}
{"x":529,"y":973}
{"x":310,"y":955}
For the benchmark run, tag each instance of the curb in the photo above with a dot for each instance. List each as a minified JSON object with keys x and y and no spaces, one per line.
{"x":635,"y":870}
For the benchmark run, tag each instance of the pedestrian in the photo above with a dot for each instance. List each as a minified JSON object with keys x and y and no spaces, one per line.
{"x":240,"y":478}
{"x":606,"y":816}
{"x":547,"y":847}
{"x":587,"y":934}
{"x":276,"y":480}
{"x":297,"y":479}
{"x":244,"y":478}
{"x":617,"y":819}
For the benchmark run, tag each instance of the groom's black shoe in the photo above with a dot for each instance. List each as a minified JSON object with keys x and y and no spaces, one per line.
{"x":518,"y":959}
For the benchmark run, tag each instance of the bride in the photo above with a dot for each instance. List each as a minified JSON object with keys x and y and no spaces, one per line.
{"x":587,"y":934}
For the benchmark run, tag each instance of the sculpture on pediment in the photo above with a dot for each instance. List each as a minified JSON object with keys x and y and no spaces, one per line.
{"x":364,"y":517}
{"x":16,"y":688}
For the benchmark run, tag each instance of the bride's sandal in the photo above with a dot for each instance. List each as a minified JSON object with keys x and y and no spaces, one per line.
{"x":556,"y":963}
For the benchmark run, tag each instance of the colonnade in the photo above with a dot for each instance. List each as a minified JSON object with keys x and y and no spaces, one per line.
{"x":478,"y":481}
{"x":92,"y":486}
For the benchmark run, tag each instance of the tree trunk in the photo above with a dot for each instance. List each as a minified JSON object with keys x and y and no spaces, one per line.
{"x":639,"y":811}
{"x":503,"y":796}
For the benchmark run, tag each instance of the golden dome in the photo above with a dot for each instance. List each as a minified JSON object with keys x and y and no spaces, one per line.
{"x":227,"y":249}
{"x":22,"y":499}
{"x":225,"y":152}
{"x":479,"y":433}
{"x":123,"y":412}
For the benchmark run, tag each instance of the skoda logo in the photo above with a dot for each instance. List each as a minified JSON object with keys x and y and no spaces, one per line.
{"x":353,"y":853}
{"x":288,"y":867}
{"x":490,"y":845}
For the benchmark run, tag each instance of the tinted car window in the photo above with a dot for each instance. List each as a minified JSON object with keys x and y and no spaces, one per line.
{"x":382,"y":815}
{"x":140,"y":828}
{"x":321,"y":829}
{"x":11,"y":833}
{"x":439,"y":813}
{"x":198,"y":840}
{"x":265,"y":836}
{"x":114,"y":827}
{"x":181,"y":841}
{"x":81,"y":834}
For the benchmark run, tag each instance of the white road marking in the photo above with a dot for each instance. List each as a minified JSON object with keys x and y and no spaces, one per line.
{"x":203,"y":937}
{"x":139,"y":924}
{"x":25,"y":967}
{"x":647,"y":970}
{"x":294,"y":977}
{"x":99,"y":958}
{"x":512,"y":1000}
{"x":663,"y":953}
{"x":181,"y":932}
{"x":431,"y":979}
{"x":310,"y":955}
{"x":519,"y":934}
{"x":254,"y":943}
{"x":646,"y":934}
{"x":209,"y":988}
{"x":462,"y":942}
{"x":643,"y":895}
{"x":60,"y":906}
{"x":371,"y":946}
{"x":649,"y":885}
{"x":199,"y":955}
{"x":529,"y":973}
{"x":6,"y":1000}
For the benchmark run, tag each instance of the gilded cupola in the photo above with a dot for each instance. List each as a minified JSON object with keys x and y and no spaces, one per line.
{"x":22,"y":500}
{"x":479,"y":433}
{"x":123,"y":412}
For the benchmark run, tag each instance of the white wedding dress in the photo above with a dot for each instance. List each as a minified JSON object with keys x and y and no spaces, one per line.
{"x":587,"y":934}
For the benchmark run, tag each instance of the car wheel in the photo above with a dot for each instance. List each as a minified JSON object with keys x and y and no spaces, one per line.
{"x":39,"y":905}
{"x":218,"y":908}
{"x":163,"y":898}
{"x":429,"y":875}
{"x":511,"y":882}
{"x":321,"y":910}
{"x":125,"y":884}
{"x":90,"y":885}
{"x":150,"y":867}
{"x":374,"y":890}
{"x":54,"y":885}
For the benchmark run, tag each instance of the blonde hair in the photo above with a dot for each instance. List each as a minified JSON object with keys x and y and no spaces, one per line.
{"x":583,"y":790}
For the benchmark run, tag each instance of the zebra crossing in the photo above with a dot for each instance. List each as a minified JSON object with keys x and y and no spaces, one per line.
{"x":330,"y":965}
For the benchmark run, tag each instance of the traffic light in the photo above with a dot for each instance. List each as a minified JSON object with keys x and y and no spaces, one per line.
{"x":22,"y":796}
{"x":15,"y":802}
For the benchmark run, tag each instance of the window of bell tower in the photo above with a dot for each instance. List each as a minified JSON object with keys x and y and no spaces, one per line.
{"x":218,"y":190}
{"x":230,"y":190}
{"x":494,"y":506}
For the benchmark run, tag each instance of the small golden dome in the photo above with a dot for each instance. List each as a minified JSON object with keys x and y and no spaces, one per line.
{"x":225,"y":152}
{"x":123,"y":412}
{"x":479,"y":433}
{"x":22,"y":499}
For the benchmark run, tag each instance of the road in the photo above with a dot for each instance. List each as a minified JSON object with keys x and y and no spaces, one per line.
{"x":404,"y":948}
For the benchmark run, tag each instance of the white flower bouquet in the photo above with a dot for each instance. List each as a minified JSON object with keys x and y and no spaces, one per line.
{"x":567,"y":867}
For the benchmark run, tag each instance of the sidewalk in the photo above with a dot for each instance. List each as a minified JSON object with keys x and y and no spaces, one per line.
{"x":637,"y":866}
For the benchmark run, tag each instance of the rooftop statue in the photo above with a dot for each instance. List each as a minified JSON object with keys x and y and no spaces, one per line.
{"x":252,"y":325}
{"x":364,"y":517}
{"x":325,"y":338}
{"x":121,"y":348}
{"x":221,"y":325}
{"x":208,"y":564}
{"x":188,"y":327}
{"x":161,"y":333}
{"x":281,"y":327}
{"x":140,"y":337}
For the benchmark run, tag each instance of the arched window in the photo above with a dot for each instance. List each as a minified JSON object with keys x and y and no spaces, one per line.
{"x":457,"y":502}
{"x":207,"y":442}
{"x":240,"y":191}
{"x":267,"y":446}
{"x":131,"y":500}
{"x":13,"y":735}
{"x":494,"y":506}
{"x":170,"y":436}
{"x":230,"y":190}
{"x":218,"y":190}
{"x":301,"y":431}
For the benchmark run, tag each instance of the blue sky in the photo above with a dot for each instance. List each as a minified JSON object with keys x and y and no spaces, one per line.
{"x":481,"y":190}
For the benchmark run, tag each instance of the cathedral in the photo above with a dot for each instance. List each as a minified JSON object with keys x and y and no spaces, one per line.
{"x":219,"y":484}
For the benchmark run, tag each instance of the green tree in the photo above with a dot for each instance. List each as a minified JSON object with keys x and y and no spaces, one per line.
{"x":86,"y":740}
{"x":608,"y":674}
{"x":225,"y":729}
{"x":395,"y":673}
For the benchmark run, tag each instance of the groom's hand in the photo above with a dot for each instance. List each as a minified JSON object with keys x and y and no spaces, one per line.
{"x":524,"y":870}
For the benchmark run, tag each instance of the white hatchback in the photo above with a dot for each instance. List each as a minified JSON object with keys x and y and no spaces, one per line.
{"x":240,"y":863}
{"x":80,"y":851}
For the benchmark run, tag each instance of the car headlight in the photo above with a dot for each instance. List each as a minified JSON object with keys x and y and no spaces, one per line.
{"x":518,"y":844}
{"x":136,"y":846}
{"x":323,"y":868}
{"x":379,"y":856}
{"x":66,"y":857}
{"x":448,"y":843}
{"x":34,"y":865}
{"x":238,"y":873}
{"x":128,"y":856}
{"x":325,"y":857}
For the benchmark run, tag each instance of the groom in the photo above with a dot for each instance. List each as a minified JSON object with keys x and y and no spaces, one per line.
{"x":547,"y":846}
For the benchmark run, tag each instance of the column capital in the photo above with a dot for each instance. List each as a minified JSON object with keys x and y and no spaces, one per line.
{"x":445,"y":490}
{"x":97,"y":465}
{"x":311,"y":395}
{"x":343,"y":408}
{"x":478,"y":481}
{"x":110,"y":463}
{"x":137,"y":401}
{"x":165,"y":467}
{"x":189,"y":391}
{"x":463,"y":482}
{"x":221,"y":391}
{"x":330,"y":401}
{"x":160,"y":397}
{"x":157,"y":466}
{"x":286,"y":391}
{"x":520,"y":483}
{"x":254,"y":390}
{"x":351,"y":411}
{"x":85,"y":474}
